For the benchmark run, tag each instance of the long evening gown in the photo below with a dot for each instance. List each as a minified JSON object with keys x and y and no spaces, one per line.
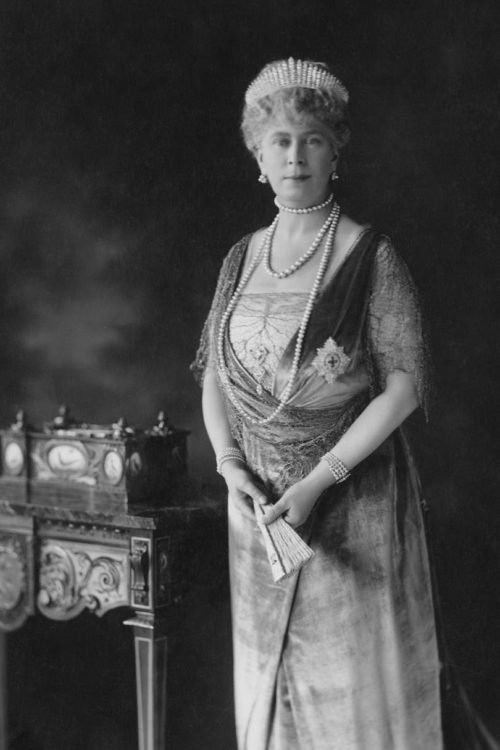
{"x":343,"y":655}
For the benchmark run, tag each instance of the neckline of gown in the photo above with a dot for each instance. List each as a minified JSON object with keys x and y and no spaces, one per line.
{"x":322,"y":293}
{"x":366,"y":228}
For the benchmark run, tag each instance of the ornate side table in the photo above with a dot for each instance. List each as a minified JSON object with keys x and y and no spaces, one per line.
{"x":76,"y":533}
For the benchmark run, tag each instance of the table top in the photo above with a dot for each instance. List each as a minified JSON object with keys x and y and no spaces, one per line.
{"x":197,"y":508}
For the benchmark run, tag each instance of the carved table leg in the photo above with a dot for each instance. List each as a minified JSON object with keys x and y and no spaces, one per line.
{"x":3,"y":692}
{"x":150,"y":641}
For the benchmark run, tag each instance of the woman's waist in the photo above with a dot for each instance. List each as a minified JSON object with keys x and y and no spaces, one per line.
{"x":300,"y":426}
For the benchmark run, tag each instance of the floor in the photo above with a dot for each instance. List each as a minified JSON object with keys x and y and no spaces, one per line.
{"x":72,"y":685}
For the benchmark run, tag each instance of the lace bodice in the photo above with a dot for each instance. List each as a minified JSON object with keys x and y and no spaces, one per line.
{"x":260,"y":328}
{"x":395,"y":334}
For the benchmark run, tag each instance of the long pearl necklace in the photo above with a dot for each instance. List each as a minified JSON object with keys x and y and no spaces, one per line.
{"x":222,"y":367}
{"x":309,"y":210}
{"x":268,"y":243}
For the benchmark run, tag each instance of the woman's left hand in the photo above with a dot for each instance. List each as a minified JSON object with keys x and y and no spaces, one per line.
{"x":295,"y":505}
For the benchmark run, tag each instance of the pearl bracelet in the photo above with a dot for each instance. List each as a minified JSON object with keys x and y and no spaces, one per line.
{"x":228,"y":454}
{"x":336,"y":466}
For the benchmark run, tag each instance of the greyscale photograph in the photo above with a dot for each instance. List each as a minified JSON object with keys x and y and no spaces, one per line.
{"x":250,"y":325}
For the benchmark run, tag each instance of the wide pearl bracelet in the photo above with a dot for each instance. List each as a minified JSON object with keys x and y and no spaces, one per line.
{"x":337,"y":467}
{"x":228,"y":454}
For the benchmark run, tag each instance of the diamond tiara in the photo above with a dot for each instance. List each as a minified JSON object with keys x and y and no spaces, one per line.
{"x":291,"y":73}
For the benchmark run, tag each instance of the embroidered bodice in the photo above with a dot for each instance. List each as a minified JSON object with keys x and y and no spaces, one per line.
{"x":263,"y":323}
{"x":260,"y":328}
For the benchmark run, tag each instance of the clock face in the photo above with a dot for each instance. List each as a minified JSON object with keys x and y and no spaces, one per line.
{"x":13,"y":458}
{"x":67,"y":459}
{"x":113,"y":466}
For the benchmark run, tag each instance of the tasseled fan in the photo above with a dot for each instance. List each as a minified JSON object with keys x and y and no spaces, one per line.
{"x":286,"y":551}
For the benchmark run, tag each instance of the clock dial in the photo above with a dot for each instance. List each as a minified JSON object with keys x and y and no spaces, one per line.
{"x":113,"y":466}
{"x":13,"y":458}
{"x":67,"y":459}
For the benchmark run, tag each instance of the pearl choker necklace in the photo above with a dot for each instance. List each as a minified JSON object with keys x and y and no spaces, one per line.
{"x":309,"y":210}
{"x":222,"y":367}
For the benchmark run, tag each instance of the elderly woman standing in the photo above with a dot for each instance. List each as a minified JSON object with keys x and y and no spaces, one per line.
{"x":311,"y":359}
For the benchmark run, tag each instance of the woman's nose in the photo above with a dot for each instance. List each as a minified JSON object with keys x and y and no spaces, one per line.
{"x":295,"y":154}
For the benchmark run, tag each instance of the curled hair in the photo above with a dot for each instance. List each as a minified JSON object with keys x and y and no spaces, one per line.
{"x":296,"y":103}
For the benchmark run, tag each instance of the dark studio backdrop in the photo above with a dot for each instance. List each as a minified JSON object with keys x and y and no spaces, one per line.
{"x":123,"y":183}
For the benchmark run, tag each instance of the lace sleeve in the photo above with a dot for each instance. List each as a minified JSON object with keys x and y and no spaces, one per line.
{"x":205,"y":355}
{"x":396,"y":330}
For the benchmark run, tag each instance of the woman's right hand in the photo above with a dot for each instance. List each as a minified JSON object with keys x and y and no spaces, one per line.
{"x":241,"y":484}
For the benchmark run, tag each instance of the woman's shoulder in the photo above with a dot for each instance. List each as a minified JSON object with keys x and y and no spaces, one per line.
{"x":390,"y":268}
{"x":347,"y":237}
{"x":236,"y":251}
{"x":254,"y":241}
{"x":349,"y":231}
{"x":387,"y":260}
{"x":387,"y":256}
{"x":247,"y":246}
{"x":239,"y":253}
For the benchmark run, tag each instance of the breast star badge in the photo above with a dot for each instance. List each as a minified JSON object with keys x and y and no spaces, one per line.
{"x":331,"y":361}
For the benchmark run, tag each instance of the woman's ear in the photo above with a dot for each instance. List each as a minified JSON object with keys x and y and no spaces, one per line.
{"x":262,"y":176}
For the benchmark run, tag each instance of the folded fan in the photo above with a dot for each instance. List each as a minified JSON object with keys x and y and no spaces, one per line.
{"x":286,"y":550}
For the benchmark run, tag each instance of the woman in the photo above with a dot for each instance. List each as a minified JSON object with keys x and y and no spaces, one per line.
{"x":311,"y":359}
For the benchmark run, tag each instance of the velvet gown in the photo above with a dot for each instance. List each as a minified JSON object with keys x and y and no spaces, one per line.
{"x":343,"y":655}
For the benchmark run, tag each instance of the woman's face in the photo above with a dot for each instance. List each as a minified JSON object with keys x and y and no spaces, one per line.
{"x":297,"y":159}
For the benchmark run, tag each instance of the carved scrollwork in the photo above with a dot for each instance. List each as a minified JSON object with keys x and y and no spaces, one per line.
{"x":75,"y":576}
{"x":104,"y":577}
{"x":58,"y":591}
{"x":14,"y":583}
